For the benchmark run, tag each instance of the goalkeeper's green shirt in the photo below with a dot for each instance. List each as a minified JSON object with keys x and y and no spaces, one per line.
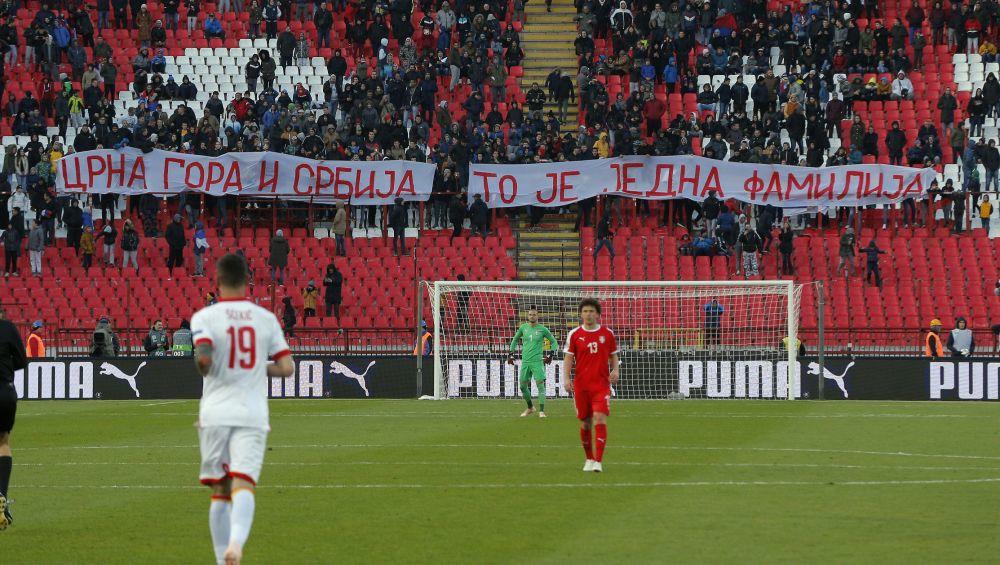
{"x":532,"y":342}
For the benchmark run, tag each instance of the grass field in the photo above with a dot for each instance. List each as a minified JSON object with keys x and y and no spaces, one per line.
{"x":469,"y":482}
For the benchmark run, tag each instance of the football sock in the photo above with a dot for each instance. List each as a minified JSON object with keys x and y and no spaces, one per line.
{"x":242,"y":517}
{"x":526,"y":392}
{"x":601,"y":435}
{"x":218,"y":523}
{"x":6,"y":464}
{"x":585,"y":440}
{"x":541,"y":395}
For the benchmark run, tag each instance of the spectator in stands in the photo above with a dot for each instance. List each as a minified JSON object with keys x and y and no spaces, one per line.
{"x":961,"y":342}
{"x":947,"y":104}
{"x":848,"y":242}
{"x":200,"y":249}
{"x":786,"y":247}
{"x":130,"y":245}
{"x":143,"y":23}
{"x":604,"y":234}
{"x":213,"y":28}
{"x":278,"y":256}
{"x":36,"y":247}
{"x":270,"y":14}
{"x":286,"y":46}
{"x":872,"y":252}
{"x":985,"y":211}
{"x":193,"y":7}
{"x":751,"y":244}
{"x":977,"y":110}
{"x":12,"y":249}
{"x":87,"y":247}
{"x":339,"y":228}
{"x":252,"y":72}
{"x":398,"y":223}
{"x":457,"y":213}
{"x":108,"y":237}
{"x":333,"y":281}
{"x":268,"y":69}
{"x":958,"y":198}
{"x":902,"y":88}
{"x":176,"y":242}
{"x":19,"y":200}
{"x":479,"y":216}
{"x":310,"y":295}
{"x":288,"y":316}
{"x":895,"y":141}
{"x":710,"y":208}
{"x":302,"y":50}
{"x":990,"y":157}
{"x":156,"y":344}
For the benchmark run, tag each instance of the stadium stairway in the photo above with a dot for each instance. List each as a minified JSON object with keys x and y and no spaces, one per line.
{"x":547,"y":41}
{"x":550,"y":252}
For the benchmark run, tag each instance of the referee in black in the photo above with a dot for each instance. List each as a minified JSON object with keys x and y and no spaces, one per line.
{"x":12,"y":358}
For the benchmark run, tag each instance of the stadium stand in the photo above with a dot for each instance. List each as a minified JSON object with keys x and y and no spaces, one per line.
{"x":351,"y":79}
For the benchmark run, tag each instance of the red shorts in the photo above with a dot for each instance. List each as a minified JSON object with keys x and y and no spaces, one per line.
{"x":590,"y":401}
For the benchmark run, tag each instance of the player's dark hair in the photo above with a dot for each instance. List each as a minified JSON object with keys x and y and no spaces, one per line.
{"x":232,"y":271}
{"x":531,"y":307}
{"x":589,"y":302}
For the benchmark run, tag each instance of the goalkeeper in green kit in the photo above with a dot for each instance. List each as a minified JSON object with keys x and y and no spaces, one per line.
{"x":534,"y":357}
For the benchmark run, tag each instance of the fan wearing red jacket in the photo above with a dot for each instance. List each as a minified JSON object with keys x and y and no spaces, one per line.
{"x":593,"y":351}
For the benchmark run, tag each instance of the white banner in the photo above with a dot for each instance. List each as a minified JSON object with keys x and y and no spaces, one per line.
{"x":133,"y":172}
{"x":665,"y":178}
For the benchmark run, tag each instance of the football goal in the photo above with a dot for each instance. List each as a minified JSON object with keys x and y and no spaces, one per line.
{"x":676,"y":339}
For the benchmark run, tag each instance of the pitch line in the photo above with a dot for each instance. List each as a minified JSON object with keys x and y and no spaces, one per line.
{"x":494,"y":415}
{"x":534,"y":446}
{"x":515,"y":464}
{"x":591,"y":485}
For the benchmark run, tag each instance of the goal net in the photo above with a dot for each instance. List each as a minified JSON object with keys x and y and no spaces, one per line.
{"x":680,"y":339}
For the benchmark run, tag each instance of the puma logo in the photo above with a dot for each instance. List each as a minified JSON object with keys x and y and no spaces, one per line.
{"x":341,"y":369}
{"x":839,"y":379}
{"x":111,"y":370}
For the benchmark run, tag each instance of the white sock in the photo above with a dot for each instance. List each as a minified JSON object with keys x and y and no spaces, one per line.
{"x":218,"y":523}
{"x":242,"y":517}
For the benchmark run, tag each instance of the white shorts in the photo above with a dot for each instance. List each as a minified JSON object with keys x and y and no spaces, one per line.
{"x":228,"y":451}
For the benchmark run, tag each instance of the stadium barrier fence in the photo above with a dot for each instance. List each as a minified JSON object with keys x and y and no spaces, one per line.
{"x":699,"y":376}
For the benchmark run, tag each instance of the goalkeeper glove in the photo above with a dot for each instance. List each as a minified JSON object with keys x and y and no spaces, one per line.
{"x":548,"y":357}
{"x":510,"y":359}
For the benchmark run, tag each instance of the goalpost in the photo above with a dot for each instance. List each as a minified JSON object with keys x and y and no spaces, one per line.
{"x":676,"y":339}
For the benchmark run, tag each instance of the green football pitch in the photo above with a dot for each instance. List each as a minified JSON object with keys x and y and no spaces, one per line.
{"x":470,"y":482}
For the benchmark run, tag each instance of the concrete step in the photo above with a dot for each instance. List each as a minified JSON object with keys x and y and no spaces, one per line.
{"x":538,"y":251}
{"x":556,"y":262}
{"x":544,"y":17}
{"x":551,"y":234}
{"x":549,"y":275}
{"x":548,"y":50}
{"x":549,"y":21}
{"x":529,"y":37}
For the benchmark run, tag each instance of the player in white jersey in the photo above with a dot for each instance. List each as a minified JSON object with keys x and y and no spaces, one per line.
{"x":234,"y":340}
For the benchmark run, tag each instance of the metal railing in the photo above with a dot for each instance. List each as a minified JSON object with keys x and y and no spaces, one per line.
{"x":77,"y":342}
{"x":887,"y":342}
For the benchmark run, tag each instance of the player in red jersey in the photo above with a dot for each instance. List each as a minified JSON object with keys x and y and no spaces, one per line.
{"x":593,"y":350}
